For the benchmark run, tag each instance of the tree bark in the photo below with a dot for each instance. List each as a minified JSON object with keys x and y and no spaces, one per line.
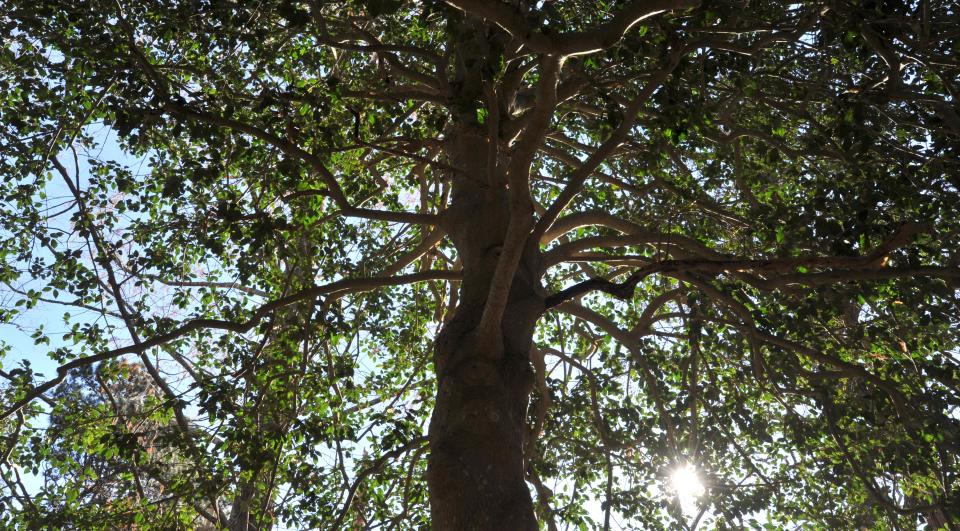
{"x":476,"y":467}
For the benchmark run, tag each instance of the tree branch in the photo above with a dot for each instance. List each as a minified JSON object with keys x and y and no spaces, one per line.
{"x":844,"y":269}
{"x":352,"y":284}
{"x":373,"y":469}
{"x":624,"y":290}
{"x":600,"y":37}
{"x":521,"y":203}
{"x":293,"y":150}
{"x":616,"y":138}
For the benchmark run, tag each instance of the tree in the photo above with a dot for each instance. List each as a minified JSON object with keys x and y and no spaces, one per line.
{"x":495,"y":265}
{"x":109,"y":442}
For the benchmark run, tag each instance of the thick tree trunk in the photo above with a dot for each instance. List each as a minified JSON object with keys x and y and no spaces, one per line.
{"x":476,"y":472}
{"x":476,"y":468}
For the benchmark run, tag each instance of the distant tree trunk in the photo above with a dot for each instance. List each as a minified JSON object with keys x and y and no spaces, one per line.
{"x":252,"y":506}
{"x":241,"y":518}
{"x":476,"y":469}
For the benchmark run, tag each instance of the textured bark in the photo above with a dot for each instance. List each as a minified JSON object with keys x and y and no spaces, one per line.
{"x":476,"y":434}
{"x":476,"y":468}
{"x":241,"y":518}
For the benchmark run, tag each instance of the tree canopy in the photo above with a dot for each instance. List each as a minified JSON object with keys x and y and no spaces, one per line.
{"x":479,"y":264}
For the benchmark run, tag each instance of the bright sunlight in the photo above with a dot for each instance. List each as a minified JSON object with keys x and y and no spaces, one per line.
{"x":686,"y":483}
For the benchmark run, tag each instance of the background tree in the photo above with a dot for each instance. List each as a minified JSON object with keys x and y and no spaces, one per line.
{"x":486,"y":264}
{"x":109,"y":450}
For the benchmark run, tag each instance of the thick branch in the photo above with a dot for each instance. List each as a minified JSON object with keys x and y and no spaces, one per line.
{"x":600,"y":37}
{"x":521,"y":203}
{"x":625,"y":289}
{"x":843,"y":268}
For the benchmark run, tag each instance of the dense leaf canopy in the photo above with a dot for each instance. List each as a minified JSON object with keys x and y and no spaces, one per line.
{"x":744,"y":215}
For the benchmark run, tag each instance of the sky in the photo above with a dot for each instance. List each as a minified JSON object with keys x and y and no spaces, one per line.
{"x":15,"y":336}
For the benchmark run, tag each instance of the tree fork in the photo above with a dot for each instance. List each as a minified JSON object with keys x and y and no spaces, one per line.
{"x":476,"y":465}
{"x":476,"y":469}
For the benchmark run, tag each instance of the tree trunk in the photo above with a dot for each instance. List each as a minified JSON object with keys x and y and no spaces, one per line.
{"x":476,"y":468}
{"x":253,"y":501}
{"x":240,"y":512}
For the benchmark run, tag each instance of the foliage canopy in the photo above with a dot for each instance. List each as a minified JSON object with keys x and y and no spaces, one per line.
{"x":728,"y":228}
